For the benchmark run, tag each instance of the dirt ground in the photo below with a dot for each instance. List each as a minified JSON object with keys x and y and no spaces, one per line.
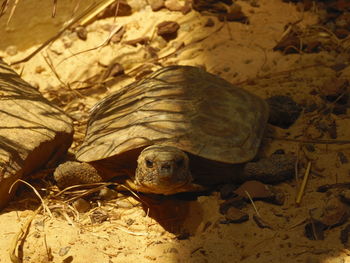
{"x":120,"y":230}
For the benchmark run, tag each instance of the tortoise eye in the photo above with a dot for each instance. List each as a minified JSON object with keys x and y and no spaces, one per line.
{"x":149,"y":163}
{"x":180,"y":162}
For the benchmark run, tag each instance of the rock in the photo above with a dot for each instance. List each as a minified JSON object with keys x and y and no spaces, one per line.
{"x":173,"y":5}
{"x":140,"y":40}
{"x":309,"y":147}
{"x":64,"y":251}
{"x":255,"y":189}
{"x":187,"y":7}
{"x":209,"y":23}
{"x":213,"y":7}
{"x":284,"y":111}
{"x":289,"y":42}
{"x":260,"y":222}
{"x":156,"y":5}
{"x":260,"y":191}
{"x":342,"y":158}
{"x":124,"y":204}
{"x":224,"y":10}
{"x":333,"y":214}
{"x":107,"y":194}
{"x":336,"y":90}
{"x":11,"y":50}
{"x":183,"y":236}
{"x":81,"y":205}
{"x":345,"y":196}
{"x":33,"y":133}
{"x":344,"y":235}
{"x":341,"y":33}
{"x":168,"y":30}
{"x":236,"y":202}
{"x":81,"y":32}
{"x":99,"y":216}
{"x":328,"y":126}
{"x":226,"y":191}
{"x":314,"y":230}
{"x":39,"y":69}
{"x":124,"y":9}
{"x":326,"y":187}
{"x":279,"y":151}
{"x":117,"y":37}
{"x":277,"y":198}
{"x":234,"y":215}
{"x":234,"y":13}
{"x":113,"y":70}
{"x":343,"y":21}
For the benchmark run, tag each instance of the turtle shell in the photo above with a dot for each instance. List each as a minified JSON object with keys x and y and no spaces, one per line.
{"x":180,"y":106}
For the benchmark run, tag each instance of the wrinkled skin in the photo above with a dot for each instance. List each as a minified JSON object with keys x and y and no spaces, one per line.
{"x":163,"y":170}
{"x":160,"y":170}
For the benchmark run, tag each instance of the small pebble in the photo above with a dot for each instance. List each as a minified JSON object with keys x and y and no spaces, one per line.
{"x":11,"y":50}
{"x":81,"y":205}
{"x":173,"y":5}
{"x":124,"y":9}
{"x":234,"y":215}
{"x":226,"y":191}
{"x":260,"y":191}
{"x":309,"y":147}
{"x":284,"y":111}
{"x":117,"y":37}
{"x":156,"y":5}
{"x":140,"y":40}
{"x":314,"y":230}
{"x":279,"y":151}
{"x":335,"y":90}
{"x":345,"y":196}
{"x":63,"y":251}
{"x":67,"y":42}
{"x":344,"y":235}
{"x":168,"y":30}
{"x":333,"y":214}
{"x":107,"y":194}
{"x":234,"y":14}
{"x":113,"y":70}
{"x":342,"y":158}
{"x":130,"y":221}
{"x":237,"y":202}
{"x":81,"y":32}
{"x":123,"y":204}
{"x":39,"y":69}
{"x":171,"y":250}
{"x":209,"y":23}
{"x":260,"y":222}
{"x":98,"y":216}
{"x":187,"y":7}
{"x":255,"y":189}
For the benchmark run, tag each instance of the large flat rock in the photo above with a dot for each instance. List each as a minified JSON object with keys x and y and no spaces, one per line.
{"x":32,"y":131}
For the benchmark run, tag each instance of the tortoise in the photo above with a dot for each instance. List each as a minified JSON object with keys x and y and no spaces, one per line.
{"x":181,"y":129}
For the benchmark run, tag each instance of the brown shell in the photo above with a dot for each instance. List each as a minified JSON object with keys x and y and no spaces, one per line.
{"x":180,"y":106}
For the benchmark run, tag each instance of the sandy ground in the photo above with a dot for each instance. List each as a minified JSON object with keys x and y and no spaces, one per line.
{"x":189,"y":231}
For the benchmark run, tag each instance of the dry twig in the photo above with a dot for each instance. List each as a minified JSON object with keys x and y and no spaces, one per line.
{"x":303,"y":184}
{"x":19,"y":238}
{"x":37,"y":194}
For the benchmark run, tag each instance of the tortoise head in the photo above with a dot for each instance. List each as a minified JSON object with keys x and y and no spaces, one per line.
{"x":162,"y":170}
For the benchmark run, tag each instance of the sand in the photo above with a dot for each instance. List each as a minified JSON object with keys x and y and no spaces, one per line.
{"x":190,"y":231}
